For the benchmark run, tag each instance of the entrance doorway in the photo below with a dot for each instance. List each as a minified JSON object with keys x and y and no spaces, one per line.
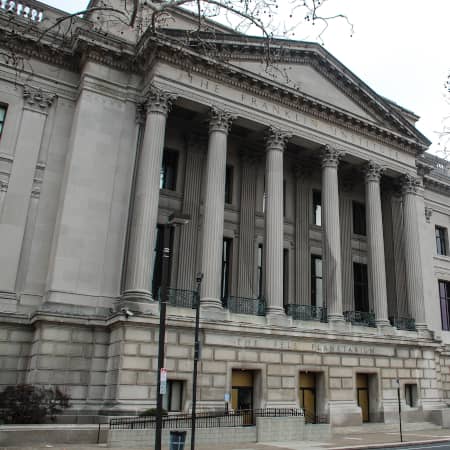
{"x":242,"y":393}
{"x":362,"y":392}
{"x":307,"y":394}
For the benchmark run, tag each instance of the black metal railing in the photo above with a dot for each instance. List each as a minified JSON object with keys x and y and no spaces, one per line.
{"x":307,"y":312}
{"x":180,"y":297}
{"x":366,"y":319}
{"x":243,"y":305}
{"x":316,"y":419}
{"x":206,"y":419}
{"x":403,"y":323}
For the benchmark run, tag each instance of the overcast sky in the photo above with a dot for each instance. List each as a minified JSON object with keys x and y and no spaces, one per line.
{"x":400,"y":48}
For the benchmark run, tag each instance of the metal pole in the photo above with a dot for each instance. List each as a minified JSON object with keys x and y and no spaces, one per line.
{"x":162,"y":331}
{"x":196,"y":358}
{"x":399,"y":410}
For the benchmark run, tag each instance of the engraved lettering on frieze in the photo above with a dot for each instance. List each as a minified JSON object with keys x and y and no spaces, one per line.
{"x":343,"y":348}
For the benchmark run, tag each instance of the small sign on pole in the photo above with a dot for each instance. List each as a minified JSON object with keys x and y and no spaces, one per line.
{"x":163,"y":383}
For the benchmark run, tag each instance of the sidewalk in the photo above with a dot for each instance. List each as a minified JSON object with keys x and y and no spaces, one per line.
{"x":342,"y":439}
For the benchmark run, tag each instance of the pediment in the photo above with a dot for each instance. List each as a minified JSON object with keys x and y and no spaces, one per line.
{"x":307,"y":80}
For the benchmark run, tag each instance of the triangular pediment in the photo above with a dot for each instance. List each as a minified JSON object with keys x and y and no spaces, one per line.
{"x":307,"y":80}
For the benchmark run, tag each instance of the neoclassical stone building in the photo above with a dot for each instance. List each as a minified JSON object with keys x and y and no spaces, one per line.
{"x":316,"y":217}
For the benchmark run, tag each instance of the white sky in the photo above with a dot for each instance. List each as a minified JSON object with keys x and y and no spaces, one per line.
{"x":399,"y":48}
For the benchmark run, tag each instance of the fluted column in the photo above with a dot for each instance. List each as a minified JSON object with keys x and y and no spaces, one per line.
{"x":146,"y":198}
{"x":331,"y":233}
{"x":191,"y":205}
{"x":375,"y":241}
{"x":274,"y":221}
{"x":247,"y":227}
{"x":219,"y":125}
{"x":413,"y":259}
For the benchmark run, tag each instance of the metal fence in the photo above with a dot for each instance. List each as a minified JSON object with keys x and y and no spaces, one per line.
{"x":206,"y":419}
{"x":403,"y":323}
{"x":181,"y":298}
{"x":243,"y":305}
{"x":307,"y":312}
{"x":366,"y":319}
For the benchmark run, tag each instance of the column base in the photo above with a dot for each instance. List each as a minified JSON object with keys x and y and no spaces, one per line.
{"x":423,"y":331}
{"x":211,"y":303}
{"x":384,"y":327}
{"x":276,"y":316}
{"x":138,"y":300}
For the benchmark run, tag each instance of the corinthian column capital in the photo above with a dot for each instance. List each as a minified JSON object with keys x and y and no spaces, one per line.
{"x":220,"y":120}
{"x":37,"y":99}
{"x":410,"y":184}
{"x":331,"y":156}
{"x":373,"y":172}
{"x":159,"y":101}
{"x":277,"y":139}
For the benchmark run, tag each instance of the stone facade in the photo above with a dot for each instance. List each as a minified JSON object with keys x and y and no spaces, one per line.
{"x":272,"y":175}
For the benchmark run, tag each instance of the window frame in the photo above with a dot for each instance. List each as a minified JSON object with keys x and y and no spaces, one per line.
{"x":444,"y":303}
{"x":168,"y":396}
{"x":441,"y":236}
{"x":4,"y":107}
{"x":411,"y":394}
{"x":227,"y":259}
{"x":260,"y":270}
{"x":360,"y":286}
{"x":314,"y":279}
{"x":229,"y":183}
{"x":359,"y":218}
{"x":169,"y":170}
{"x":317,"y":218}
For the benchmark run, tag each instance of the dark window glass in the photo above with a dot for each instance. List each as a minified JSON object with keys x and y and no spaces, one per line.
{"x":2,"y":117}
{"x":157,"y":267}
{"x":168,"y":175}
{"x":229,"y":185}
{"x":361,"y":287}
{"x":444,"y":297}
{"x":411,"y":394}
{"x":173,"y":398}
{"x":226,"y":265}
{"x":317,"y":208}
{"x":359,"y":218}
{"x":285,"y":277}
{"x":316,"y":281}
{"x":441,"y":240}
{"x":259,"y":271}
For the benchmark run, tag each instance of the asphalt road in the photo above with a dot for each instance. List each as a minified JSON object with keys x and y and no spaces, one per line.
{"x":436,"y":446}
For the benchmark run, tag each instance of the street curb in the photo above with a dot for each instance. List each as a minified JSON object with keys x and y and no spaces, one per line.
{"x":390,"y":444}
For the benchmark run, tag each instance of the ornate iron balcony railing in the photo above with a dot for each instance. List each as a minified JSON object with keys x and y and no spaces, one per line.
{"x":242,"y":305}
{"x":403,"y":323}
{"x":307,"y":312}
{"x":180,"y":297}
{"x":366,"y":319}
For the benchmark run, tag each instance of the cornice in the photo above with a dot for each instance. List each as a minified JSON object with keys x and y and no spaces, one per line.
{"x":286,"y":96}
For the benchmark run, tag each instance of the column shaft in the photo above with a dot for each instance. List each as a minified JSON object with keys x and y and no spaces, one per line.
{"x":331,"y":234}
{"x":413,"y":260}
{"x":375,"y":240}
{"x":276,"y":145}
{"x":146,"y":199}
{"x":214,"y":209}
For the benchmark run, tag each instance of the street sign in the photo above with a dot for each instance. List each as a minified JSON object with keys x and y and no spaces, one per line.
{"x":163,"y":383}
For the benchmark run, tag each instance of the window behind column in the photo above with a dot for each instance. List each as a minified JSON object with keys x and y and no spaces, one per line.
{"x":361,"y":287}
{"x":229,"y":185}
{"x":444,"y":297}
{"x":3,"y":109}
{"x":168,"y":174}
{"x":359,"y":218}
{"x":226,"y":267}
{"x":157,"y":266}
{"x":259,"y":271}
{"x":316,"y":281}
{"x":285,"y":277}
{"x":317,"y":208}
{"x":441,"y":240}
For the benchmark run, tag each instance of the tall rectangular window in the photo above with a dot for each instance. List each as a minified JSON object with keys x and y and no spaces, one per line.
{"x":226,"y":267}
{"x":411,"y":394}
{"x":259,"y":271}
{"x":2,"y":117}
{"x":285,"y":277}
{"x":359,"y":218}
{"x":441,"y":240}
{"x":158,"y":259}
{"x":361,"y":287}
{"x":316,"y":281}
{"x":444,"y":298}
{"x":173,"y":398}
{"x":168,"y":174}
{"x":229,"y":185}
{"x":317,"y":208}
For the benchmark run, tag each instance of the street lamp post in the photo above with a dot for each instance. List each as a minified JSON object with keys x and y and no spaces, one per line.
{"x":174,"y":219}
{"x":399,"y":409}
{"x":198,"y":279}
